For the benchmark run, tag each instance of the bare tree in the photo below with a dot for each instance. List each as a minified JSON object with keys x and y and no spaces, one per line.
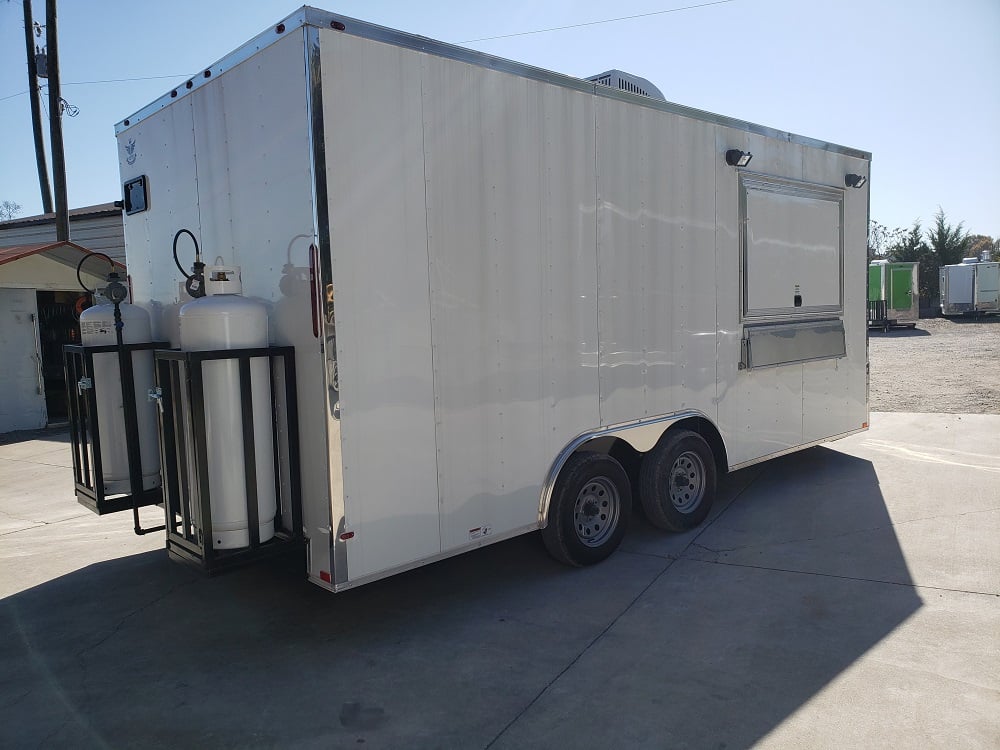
{"x":8,"y":210}
{"x":881,"y":239}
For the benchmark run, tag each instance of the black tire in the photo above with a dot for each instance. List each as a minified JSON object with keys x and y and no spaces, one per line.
{"x":677,"y":481}
{"x":589,"y":510}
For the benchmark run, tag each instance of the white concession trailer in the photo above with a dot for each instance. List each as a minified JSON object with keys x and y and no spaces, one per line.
{"x":970,"y":287}
{"x":517,"y":300}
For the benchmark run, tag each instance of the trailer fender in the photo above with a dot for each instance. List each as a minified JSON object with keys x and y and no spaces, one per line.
{"x":641,"y":435}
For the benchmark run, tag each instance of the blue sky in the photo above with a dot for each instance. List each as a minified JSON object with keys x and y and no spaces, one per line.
{"x":916,"y":82}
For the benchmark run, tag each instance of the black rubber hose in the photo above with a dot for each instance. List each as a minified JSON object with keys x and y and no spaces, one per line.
{"x":83,"y":260}
{"x":197,"y":251}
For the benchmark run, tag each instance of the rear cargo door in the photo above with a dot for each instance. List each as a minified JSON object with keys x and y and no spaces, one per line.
{"x":988,"y":286}
{"x":901,"y":285}
{"x":961,"y":283}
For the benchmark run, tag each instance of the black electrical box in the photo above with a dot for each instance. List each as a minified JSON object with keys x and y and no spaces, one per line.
{"x":136,"y":195}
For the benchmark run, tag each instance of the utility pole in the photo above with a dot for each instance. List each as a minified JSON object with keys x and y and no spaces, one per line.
{"x":36,"y":111}
{"x":55,"y":123}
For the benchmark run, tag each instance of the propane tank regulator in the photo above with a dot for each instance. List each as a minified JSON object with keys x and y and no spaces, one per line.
{"x":115,"y":291}
{"x":194,"y":282}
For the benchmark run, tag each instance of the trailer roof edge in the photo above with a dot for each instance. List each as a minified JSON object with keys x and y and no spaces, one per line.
{"x":309,"y":16}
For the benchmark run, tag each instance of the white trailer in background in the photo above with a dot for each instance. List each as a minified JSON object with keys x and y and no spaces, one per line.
{"x":970,"y":287}
{"x":517,"y":299}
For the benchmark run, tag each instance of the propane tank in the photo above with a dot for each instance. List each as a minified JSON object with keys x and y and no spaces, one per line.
{"x":97,"y":328}
{"x":223,"y":319}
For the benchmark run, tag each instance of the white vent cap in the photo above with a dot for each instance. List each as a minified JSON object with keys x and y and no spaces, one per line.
{"x":619,"y":79}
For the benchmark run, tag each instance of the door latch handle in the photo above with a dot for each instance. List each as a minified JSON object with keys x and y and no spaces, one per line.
{"x":156,"y":394}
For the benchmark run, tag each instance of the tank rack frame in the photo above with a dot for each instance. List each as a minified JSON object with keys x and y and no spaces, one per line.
{"x":185,"y":462}
{"x":85,"y":429}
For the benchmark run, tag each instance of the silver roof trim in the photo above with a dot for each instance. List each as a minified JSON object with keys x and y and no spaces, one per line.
{"x":241,"y":54}
{"x":308,"y":16}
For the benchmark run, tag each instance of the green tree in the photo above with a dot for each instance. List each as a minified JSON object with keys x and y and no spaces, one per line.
{"x":982,"y":246}
{"x":949,"y":243}
{"x":910,"y":245}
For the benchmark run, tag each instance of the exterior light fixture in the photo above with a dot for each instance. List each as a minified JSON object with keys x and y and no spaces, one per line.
{"x":855,"y":180}
{"x":737,"y":158}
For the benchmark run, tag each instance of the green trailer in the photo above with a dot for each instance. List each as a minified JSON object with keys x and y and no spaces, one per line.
{"x":893,"y":294}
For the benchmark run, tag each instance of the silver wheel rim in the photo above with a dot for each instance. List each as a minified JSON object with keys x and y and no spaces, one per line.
{"x":596,"y":511}
{"x":687,"y":482}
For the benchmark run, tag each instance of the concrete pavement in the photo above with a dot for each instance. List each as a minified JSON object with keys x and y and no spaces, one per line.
{"x":844,"y":596}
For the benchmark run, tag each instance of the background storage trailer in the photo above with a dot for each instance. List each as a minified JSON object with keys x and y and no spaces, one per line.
{"x":970,"y":287}
{"x":987,"y":292}
{"x":893,"y":293}
{"x":516,"y":299}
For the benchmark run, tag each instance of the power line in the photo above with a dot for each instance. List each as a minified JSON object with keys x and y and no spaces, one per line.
{"x":105,"y":80}
{"x":143,"y":78}
{"x":467,"y":41}
{"x":596,"y":23}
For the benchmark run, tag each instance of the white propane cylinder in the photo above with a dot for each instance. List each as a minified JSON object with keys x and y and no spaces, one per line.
{"x":97,"y":328}
{"x":225,"y":320}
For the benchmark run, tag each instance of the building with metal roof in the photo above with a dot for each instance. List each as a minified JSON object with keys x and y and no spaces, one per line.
{"x":40,"y":303}
{"x":98,"y":228}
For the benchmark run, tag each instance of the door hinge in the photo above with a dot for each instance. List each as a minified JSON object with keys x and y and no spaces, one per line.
{"x":744,"y":354}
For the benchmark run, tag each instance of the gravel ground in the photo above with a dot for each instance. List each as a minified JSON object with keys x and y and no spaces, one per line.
{"x":942,"y":365}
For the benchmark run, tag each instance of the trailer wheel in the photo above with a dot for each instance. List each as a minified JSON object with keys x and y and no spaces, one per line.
{"x":677,"y":481}
{"x":589,"y":511}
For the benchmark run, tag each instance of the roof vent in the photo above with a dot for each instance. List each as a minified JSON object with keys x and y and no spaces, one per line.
{"x":619,"y":79}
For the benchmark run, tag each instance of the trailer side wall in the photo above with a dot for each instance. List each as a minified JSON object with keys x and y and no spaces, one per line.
{"x":516,"y":263}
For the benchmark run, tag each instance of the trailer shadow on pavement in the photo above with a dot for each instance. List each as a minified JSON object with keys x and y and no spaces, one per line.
{"x":711,"y":638}
{"x":55,"y":435}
